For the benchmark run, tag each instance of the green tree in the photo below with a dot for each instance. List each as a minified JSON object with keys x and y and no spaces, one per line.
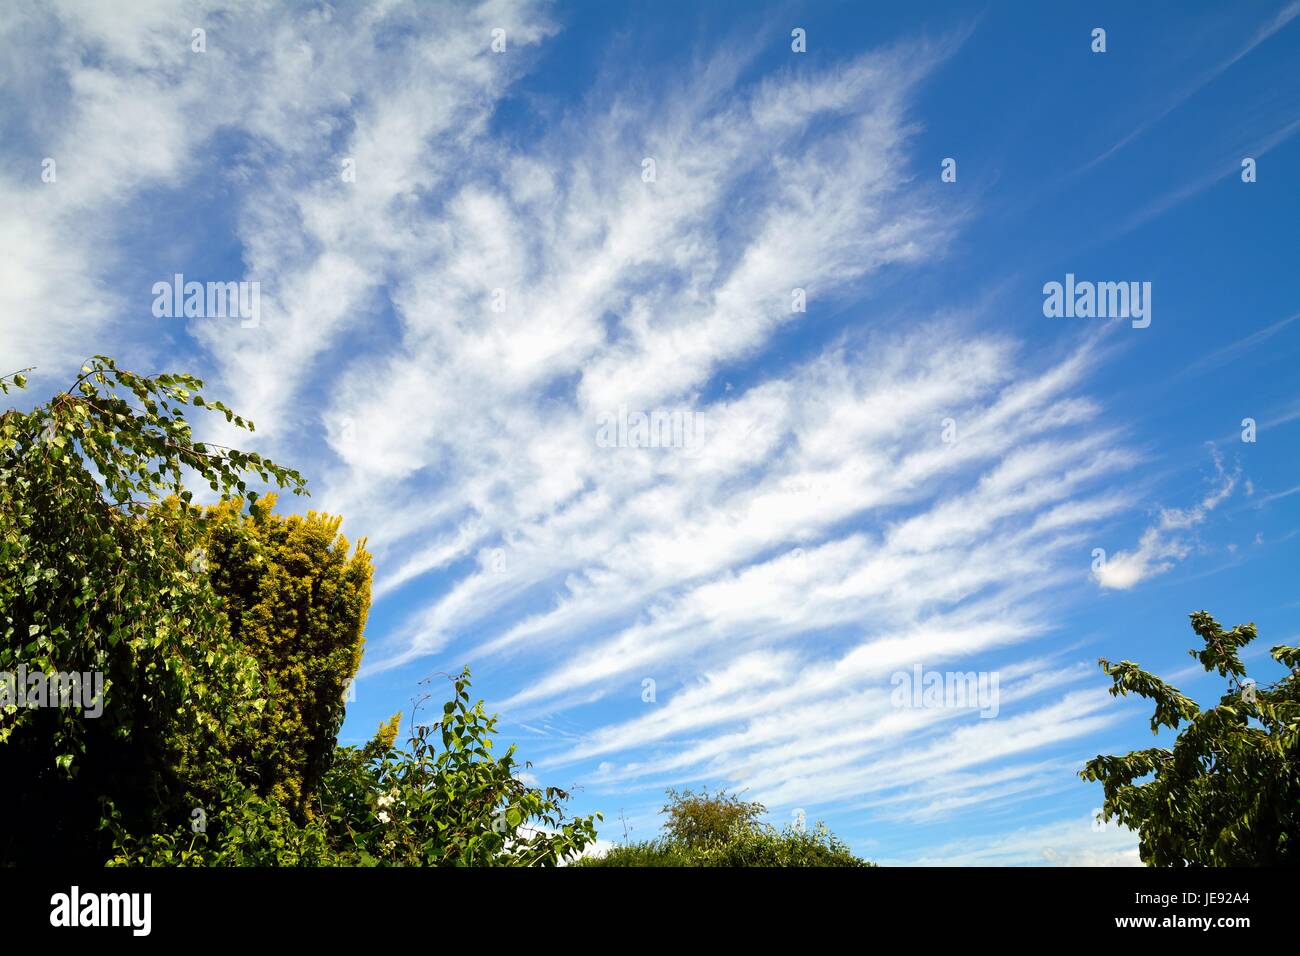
{"x":97,"y":576}
{"x":1228,"y":792}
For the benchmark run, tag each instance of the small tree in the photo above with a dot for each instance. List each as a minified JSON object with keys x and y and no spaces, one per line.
{"x":1228,"y":792}
{"x":698,"y":818}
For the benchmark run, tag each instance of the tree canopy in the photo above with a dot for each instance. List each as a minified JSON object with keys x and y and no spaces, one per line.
{"x":1227,"y":793}
{"x":221,"y":639}
{"x":97,"y":576}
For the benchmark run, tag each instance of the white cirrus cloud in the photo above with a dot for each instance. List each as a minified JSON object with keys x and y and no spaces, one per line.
{"x":441,"y":338}
{"x":1165,"y":542}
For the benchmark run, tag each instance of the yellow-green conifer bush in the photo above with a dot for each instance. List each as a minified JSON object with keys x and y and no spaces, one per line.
{"x":296,"y":595}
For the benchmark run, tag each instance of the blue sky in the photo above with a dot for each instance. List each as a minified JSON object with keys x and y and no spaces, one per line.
{"x":916,"y":470}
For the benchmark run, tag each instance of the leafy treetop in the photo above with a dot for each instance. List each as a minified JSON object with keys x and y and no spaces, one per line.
{"x":1228,"y":792}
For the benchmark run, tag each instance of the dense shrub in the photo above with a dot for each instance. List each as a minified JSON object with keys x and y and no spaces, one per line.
{"x":660,"y":852}
{"x":723,"y":830}
{"x":444,"y":800}
{"x":764,"y":845}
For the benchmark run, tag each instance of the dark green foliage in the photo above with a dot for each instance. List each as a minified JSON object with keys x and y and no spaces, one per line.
{"x":226,"y":640}
{"x":444,"y":801}
{"x":96,"y":576}
{"x":1228,"y":792}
